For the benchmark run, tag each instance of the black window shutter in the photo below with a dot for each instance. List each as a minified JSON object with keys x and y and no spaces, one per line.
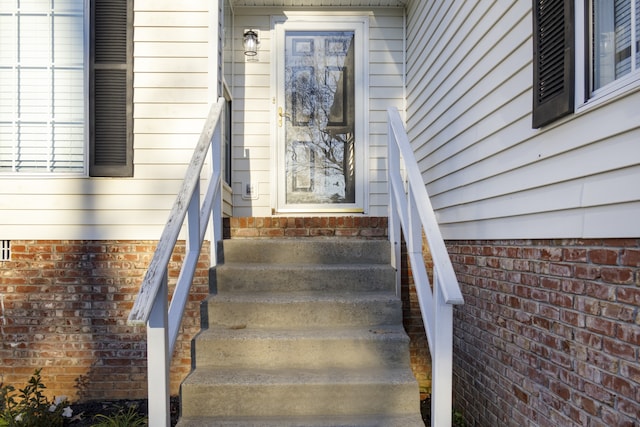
{"x":553,"y":57}
{"x":110,"y":90}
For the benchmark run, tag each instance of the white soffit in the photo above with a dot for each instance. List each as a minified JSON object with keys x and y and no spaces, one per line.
{"x":317,"y":3}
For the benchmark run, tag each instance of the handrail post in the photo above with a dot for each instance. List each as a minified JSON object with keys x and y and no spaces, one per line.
{"x":395,"y":232}
{"x":216,"y":211}
{"x":442,"y":358}
{"x":158,"y":359}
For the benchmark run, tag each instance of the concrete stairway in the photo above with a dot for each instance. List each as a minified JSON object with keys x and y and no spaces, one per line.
{"x":302,"y":332}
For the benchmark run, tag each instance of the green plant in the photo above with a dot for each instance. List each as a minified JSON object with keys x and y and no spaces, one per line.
{"x":30,"y":407}
{"x":122,"y":418}
{"x":457,"y":419}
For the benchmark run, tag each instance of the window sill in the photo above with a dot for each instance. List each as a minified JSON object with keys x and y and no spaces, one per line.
{"x":613,"y":91}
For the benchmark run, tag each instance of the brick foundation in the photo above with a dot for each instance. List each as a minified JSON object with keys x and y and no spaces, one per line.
{"x":549,"y":334}
{"x":64,"y":309}
{"x":65,"y":306}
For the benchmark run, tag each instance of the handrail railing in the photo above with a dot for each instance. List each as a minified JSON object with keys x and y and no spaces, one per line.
{"x":150,"y":306}
{"x":411,"y":214}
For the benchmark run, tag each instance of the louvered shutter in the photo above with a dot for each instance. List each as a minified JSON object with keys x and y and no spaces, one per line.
{"x":111,"y":106}
{"x":553,"y":57}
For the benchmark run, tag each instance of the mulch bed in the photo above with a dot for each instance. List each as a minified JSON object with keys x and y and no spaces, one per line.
{"x":88,"y":410}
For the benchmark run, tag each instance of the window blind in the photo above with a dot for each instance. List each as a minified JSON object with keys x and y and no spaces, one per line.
{"x":42,"y":86}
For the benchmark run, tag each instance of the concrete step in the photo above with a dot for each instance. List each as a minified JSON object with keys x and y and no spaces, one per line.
{"x":307,"y":251}
{"x":374,"y":420}
{"x":213,"y":392}
{"x":302,"y":332}
{"x":255,"y":277}
{"x":365,"y":347}
{"x":302,"y":309}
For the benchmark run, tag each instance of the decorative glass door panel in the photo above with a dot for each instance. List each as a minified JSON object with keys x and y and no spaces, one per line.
{"x":317,"y":124}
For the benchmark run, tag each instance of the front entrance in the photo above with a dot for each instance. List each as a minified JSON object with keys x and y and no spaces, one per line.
{"x":320,"y":118}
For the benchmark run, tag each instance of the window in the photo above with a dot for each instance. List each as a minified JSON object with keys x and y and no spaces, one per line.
{"x":615,"y":39}
{"x":606,"y":49}
{"x":62,"y":100}
{"x":42,"y":81}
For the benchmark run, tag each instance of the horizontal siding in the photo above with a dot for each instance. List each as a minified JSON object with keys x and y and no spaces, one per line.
{"x":488,"y":173}
{"x":251,"y":129}
{"x":171,"y":95}
{"x":253,"y":109}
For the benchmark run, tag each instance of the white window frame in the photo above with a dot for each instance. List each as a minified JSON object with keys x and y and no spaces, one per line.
{"x":584,"y":99}
{"x":50,"y":173}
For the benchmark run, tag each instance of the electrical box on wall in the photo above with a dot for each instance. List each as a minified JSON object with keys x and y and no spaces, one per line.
{"x":250,"y":191}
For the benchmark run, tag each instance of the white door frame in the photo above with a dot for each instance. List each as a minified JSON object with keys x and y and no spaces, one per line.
{"x":321,"y":22}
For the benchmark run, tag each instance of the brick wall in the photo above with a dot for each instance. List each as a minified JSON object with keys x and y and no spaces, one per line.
{"x":343,"y":226}
{"x":64,"y":308}
{"x":549,"y":334}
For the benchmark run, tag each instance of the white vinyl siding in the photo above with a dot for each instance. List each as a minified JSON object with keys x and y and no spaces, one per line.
{"x":489,"y":175}
{"x":42,"y":87}
{"x":254,"y":113}
{"x":172,"y":90}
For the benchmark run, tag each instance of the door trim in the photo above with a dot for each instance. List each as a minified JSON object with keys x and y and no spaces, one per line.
{"x":322,"y":22}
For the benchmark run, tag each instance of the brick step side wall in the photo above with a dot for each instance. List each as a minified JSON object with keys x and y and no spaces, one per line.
{"x":343,"y":226}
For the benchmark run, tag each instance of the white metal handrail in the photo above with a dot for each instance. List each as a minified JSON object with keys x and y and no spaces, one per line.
{"x":411,"y":214}
{"x":150,"y":306}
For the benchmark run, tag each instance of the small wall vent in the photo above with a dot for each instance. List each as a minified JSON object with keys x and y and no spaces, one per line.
{"x":5,"y":250}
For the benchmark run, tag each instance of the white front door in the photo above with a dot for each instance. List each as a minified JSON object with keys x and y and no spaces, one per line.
{"x":320,"y":118}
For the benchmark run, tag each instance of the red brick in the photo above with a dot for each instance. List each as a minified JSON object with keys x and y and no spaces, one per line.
{"x":619,"y":349}
{"x":630,"y":257}
{"x":600,"y":325}
{"x":629,"y":295}
{"x":617,"y":275}
{"x":600,"y":291}
{"x":631,"y":408}
{"x":560,"y":300}
{"x":563,"y":270}
{"x":575,"y":254}
{"x":603,"y":256}
{"x":619,"y":385}
{"x":551,"y":254}
{"x":550,"y":283}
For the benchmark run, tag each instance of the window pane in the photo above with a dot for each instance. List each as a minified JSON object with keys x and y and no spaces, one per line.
{"x":623,"y":37}
{"x":42,"y":86}
{"x":603,"y":43}
{"x":615,"y":40}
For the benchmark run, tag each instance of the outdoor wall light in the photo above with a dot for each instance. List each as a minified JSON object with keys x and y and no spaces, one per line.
{"x":250,"y":43}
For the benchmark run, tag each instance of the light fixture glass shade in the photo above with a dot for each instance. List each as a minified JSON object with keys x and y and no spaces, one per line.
{"x":250,"y":43}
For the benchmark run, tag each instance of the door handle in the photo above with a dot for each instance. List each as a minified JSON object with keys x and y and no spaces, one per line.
{"x":282,"y":114}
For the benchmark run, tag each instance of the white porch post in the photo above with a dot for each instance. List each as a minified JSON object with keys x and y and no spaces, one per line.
{"x":158,"y":359}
